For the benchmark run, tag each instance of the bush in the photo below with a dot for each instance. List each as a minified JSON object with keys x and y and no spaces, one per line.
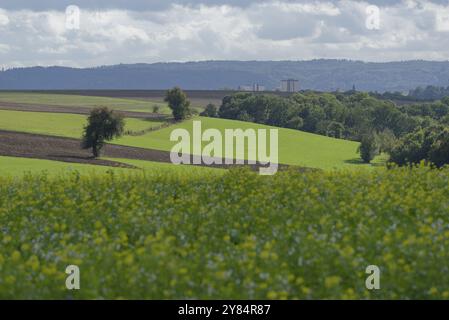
{"x":368,"y":148}
{"x":430,"y":145}
{"x":295,"y":123}
{"x":210,"y":111}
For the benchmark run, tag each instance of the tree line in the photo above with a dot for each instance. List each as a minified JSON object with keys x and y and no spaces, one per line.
{"x":380,"y":125}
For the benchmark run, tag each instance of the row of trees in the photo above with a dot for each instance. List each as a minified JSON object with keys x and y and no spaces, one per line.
{"x":380,"y":125}
{"x":336,"y":115}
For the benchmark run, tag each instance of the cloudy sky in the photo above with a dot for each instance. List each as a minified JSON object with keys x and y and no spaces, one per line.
{"x":107,"y":32}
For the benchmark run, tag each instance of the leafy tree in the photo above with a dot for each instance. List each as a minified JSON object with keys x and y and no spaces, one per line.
{"x":439,"y":151}
{"x":178,"y":103}
{"x":102,"y":125}
{"x":295,"y":123}
{"x":335,"y":129}
{"x":347,"y":115}
{"x":386,"y":141}
{"x":210,"y":111}
{"x":244,"y":116}
{"x":156,"y":108}
{"x":428,"y":144}
{"x":368,"y":148}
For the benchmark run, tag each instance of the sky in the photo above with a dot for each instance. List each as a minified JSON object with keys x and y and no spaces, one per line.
{"x":87,"y":33}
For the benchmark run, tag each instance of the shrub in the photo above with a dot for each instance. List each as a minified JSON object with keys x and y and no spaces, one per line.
{"x":368,"y":148}
{"x":210,"y":111}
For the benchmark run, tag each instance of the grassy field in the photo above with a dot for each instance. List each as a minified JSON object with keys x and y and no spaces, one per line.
{"x":13,"y":166}
{"x":18,"y":167}
{"x":295,"y":147}
{"x":80,"y":101}
{"x":125,"y":104}
{"x":151,"y":167}
{"x":58,"y":124}
{"x":235,"y":236}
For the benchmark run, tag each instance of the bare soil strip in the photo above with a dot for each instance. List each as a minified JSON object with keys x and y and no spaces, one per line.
{"x":31,"y":107}
{"x":27,"y":145}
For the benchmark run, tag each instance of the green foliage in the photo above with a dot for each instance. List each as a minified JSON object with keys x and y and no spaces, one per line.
{"x":295,"y":123}
{"x":102,"y":125}
{"x":347,"y":116}
{"x":429,"y":93}
{"x":156,"y":108}
{"x":178,"y":103}
{"x":386,"y":141}
{"x":210,"y":111}
{"x":335,"y":129}
{"x":439,"y":151}
{"x":296,"y":235}
{"x":368,"y":148}
{"x":429,"y":144}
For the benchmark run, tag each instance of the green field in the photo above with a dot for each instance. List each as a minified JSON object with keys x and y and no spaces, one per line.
{"x":162,"y":231}
{"x":295,"y":147}
{"x":151,"y":167}
{"x":237,"y":236}
{"x":17,"y":167}
{"x":13,"y":166}
{"x":58,"y":124}
{"x":80,"y":101}
{"x":124,"y":104}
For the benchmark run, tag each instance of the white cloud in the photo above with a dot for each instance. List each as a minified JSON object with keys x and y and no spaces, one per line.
{"x":264,"y":30}
{"x":4,"y":20}
{"x":4,"y":48}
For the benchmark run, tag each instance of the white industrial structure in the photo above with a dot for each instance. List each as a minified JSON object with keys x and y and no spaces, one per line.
{"x":255,"y":87}
{"x":290,"y":85}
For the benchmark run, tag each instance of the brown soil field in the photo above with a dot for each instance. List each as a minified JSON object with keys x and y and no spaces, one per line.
{"x":31,"y":107}
{"x":27,"y":145}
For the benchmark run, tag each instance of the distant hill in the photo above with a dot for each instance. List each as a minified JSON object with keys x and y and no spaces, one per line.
{"x":323,"y":75}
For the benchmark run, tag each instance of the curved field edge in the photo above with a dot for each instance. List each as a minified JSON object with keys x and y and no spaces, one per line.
{"x":236,"y":236}
{"x":18,"y":167}
{"x":295,"y":147}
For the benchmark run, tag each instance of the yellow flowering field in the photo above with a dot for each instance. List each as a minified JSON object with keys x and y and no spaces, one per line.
{"x":296,"y":235}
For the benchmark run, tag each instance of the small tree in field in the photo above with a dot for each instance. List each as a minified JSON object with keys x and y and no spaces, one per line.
{"x":102,"y":125}
{"x":368,"y":148}
{"x":210,"y":111}
{"x":178,"y":103}
{"x":155,"y":108}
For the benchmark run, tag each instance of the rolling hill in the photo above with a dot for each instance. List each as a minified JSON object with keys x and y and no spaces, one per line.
{"x":295,"y":147}
{"x":322,"y":75}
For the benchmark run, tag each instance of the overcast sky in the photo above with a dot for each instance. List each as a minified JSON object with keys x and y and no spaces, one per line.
{"x":116,"y":31}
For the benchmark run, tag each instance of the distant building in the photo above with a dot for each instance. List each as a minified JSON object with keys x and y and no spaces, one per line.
{"x":290,"y":85}
{"x":254,"y":88}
